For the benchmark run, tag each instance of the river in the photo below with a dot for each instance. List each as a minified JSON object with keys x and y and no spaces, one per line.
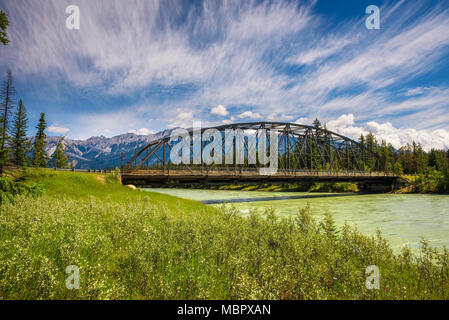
{"x":402,"y":218}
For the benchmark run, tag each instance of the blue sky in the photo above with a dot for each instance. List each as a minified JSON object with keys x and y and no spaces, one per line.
{"x":143,"y":66}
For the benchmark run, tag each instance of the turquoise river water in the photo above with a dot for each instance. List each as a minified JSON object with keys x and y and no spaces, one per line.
{"x":403,"y":219}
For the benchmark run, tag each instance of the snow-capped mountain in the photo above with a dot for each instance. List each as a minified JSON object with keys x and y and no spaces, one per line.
{"x":101,"y":152}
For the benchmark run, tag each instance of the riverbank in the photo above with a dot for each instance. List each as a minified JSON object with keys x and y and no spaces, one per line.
{"x":409,"y":184}
{"x":270,"y":187}
{"x":130,"y":244}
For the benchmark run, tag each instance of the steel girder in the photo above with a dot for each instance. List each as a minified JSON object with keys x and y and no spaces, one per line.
{"x":300,"y":148}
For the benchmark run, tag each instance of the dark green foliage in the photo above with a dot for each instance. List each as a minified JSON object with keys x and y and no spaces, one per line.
{"x":40,"y":157}
{"x":9,"y":189}
{"x":20,"y":145}
{"x":317,"y":124}
{"x":431,"y":169}
{"x":430,"y":181}
{"x":284,"y":187}
{"x":3,"y":25}
{"x":7,"y":104}
{"x":60,"y":158}
{"x":420,"y":158}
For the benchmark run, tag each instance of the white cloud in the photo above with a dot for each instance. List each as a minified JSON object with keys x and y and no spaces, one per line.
{"x":303,"y":120}
{"x":221,"y":51}
{"x":183,"y":119}
{"x":345,"y":125}
{"x":250,"y":114}
{"x":142,"y":131}
{"x":58,"y":130}
{"x":219,"y":110}
{"x":276,"y":117}
{"x":416,"y":91}
{"x":227,"y":121}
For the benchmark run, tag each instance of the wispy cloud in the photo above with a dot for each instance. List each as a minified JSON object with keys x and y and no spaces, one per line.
{"x":282,"y":60}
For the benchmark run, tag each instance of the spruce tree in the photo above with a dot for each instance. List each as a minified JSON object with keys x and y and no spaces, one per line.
{"x":60,"y":158}
{"x":362,"y":140}
{"x":19,"y":142}
{"x":317,"y":124}
{"x":40,"y":158}
{"x":3,"y":25}
{"x":7,"y":104}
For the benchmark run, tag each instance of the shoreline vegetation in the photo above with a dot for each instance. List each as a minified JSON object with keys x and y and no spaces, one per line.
{"x":142,"y":245}
{"x":424,"y":184}
{"x":270,"y":187}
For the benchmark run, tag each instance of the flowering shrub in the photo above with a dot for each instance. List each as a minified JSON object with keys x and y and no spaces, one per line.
{"x":131,"y":245}
{"x":144,"y":249}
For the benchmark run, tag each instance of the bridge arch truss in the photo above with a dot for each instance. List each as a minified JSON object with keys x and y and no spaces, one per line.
{"x":301,"y":149}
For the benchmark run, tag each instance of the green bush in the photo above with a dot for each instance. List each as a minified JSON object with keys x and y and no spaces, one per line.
{"x":334,"y":187}
{"x":131,"y":245}
{"x":114,"y":176}
{"x":9,"y":189}
{"x":431,"y":181}
{"x":142,"y":249}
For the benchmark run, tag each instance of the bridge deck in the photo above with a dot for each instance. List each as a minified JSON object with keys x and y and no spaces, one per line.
{"x":197,"y":176}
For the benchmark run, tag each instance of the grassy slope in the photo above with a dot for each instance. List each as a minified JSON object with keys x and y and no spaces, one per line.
{"x":132,"y":244}
{"x":84,"y":186}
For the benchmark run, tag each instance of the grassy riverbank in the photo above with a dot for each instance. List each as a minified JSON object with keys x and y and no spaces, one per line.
{"x":130,"y":244}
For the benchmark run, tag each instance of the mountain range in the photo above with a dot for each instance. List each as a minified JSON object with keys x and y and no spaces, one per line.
{"x":102,"y":152}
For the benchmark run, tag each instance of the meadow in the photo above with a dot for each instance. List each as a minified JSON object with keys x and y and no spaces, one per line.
{"x":130,"y":244}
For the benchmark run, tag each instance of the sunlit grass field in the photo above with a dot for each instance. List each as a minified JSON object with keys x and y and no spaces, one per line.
{"x":130,"y":244}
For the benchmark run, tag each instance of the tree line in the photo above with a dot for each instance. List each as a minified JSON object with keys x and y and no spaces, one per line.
{"x":15,"y":147}
{"x":427,"y":172}
{"x":431,"y":169}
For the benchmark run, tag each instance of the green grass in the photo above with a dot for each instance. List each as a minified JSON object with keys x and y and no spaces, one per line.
{"x":131,"y":244}
{"x":102,"y":187}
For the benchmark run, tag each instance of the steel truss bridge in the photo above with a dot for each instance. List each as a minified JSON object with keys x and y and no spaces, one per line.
{"x":305,"y":154}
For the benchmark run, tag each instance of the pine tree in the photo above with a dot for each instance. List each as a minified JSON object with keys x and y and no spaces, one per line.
{"x":3,"y":25}
{"x":7,"y":104}
{"x":420,"y":158}
{"x":362,"y":140}
{"x":60,"y":158}
{"x":371,"y":145}
{"x":317,"y":124}
{"x":40,"y":158}
{"x":19,"y":142}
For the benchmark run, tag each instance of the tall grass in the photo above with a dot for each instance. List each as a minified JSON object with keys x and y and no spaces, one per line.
{"x":135,"y":245}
